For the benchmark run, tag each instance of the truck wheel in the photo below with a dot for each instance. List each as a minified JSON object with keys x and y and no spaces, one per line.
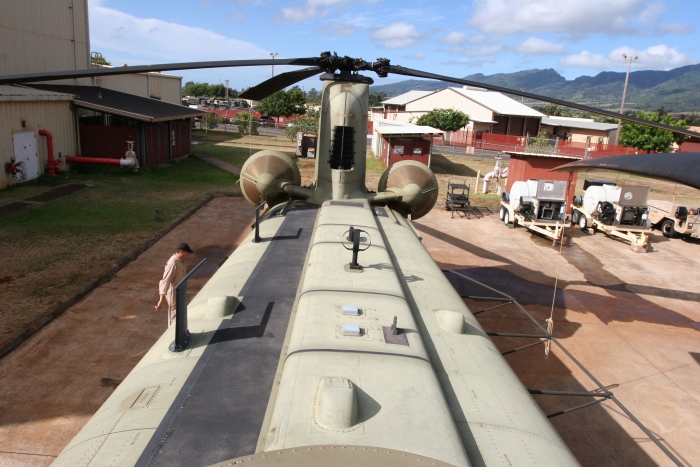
{"x":506,"y":217}
{"x":501,"y":213}
{"x":575,"y":215}
{"x":582,"y":223}
{"x":668,"y":228}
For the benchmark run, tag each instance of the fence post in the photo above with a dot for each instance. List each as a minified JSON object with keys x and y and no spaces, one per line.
{"x":182,"y":334}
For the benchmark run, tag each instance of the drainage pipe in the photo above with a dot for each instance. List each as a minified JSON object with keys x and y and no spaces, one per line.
{"x":52,"y":163}
{"x":128,"y":162}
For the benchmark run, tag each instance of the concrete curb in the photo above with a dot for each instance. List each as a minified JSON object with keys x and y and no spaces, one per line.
{"x":52,"y":313}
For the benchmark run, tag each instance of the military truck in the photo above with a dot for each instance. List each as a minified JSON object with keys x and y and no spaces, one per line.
{"x":674,"y":219}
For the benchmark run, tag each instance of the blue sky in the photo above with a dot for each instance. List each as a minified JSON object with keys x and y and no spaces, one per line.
{"x":457,"y":38}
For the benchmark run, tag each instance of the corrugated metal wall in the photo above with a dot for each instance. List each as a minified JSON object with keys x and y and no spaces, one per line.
{"x":522,"y":168}
{"x":54,"y":116}
{"x":166,"y":87}
{"x":44,"y":35}
{"x":107,"y":141}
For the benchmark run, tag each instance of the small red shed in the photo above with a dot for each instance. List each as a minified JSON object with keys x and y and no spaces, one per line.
{"x":406,"y":142}
{"x":525,"y":166}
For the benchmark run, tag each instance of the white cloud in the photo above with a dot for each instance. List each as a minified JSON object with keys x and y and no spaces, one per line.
{"x":657,"y":57}
{"x":237,"y":17}
{"x":398,"y":35}
{"x":418,"y":56}
{"x":477,"y":63}
{"x":537,"y":46}
{"x":311,"y":9}
{"x":477,"y":51}
{"x":145,"y":40}
{"x":337,"y":30}
{"x":674,"y":28}
{"x":571,"y":17}
{"x":454,"y":38}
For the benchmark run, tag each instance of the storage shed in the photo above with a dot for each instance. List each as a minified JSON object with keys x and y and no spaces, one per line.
{"x":107,"y":119}
{"x":395,"y":143}
{"x":526,"y":166}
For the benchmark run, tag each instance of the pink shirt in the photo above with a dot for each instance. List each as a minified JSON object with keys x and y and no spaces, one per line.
{"x":174,"y":272}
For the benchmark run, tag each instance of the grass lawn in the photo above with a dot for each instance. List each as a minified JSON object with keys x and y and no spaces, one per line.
{"x":52,"y":250}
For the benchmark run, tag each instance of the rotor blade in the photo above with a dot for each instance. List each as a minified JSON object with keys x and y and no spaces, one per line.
{"x":124,"y":70}
{"x":399,"y":70}
{"x":681,"y":167}
{"x":279,"y":82}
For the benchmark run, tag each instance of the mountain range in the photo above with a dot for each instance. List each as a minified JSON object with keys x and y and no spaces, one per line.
{"x":676,"y":90}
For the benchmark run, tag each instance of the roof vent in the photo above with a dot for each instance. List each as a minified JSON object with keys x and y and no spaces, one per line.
{"x":351,"y":330}
{"x":337,"y":404}
{"x":450,"y":321}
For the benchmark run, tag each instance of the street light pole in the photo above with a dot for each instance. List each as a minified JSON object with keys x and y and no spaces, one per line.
{"x":273,"y":55}
{"x":624,"y":93}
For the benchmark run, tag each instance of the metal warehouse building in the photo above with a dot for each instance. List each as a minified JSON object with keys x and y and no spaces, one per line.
{"x":53,"y":35}
{"x":25,"y":111}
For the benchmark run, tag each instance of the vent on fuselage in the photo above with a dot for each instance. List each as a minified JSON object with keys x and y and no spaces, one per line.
{"x":343,"y":147}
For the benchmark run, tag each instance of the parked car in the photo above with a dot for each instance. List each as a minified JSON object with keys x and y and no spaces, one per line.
{"x":266,"y":121}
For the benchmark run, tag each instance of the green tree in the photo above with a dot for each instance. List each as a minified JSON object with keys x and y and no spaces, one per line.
{"x":307,"y":124}
{"x":444,"y":119}
{"x":207,"y":90}
{"x":313,"y":96}
{"x":376,"y":98}
{"x":100,"y":60}
{"x":211,"y":120}
{"x":284,"y":103}
{"x":247,"y":123}
{"x":552,"y":110}
{"x":650,"y":139}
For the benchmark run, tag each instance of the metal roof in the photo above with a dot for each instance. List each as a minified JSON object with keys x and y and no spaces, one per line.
{"x":582,"y":123}
{"x":408,"y":130}
{"x":499,"y":103}
{"x":405,"y":98}
{"x":533,"y":154}
{"x":123,"y":104}
{"x":23,"y":93}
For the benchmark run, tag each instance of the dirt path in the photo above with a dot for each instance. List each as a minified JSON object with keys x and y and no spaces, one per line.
{"x":56,"y":380}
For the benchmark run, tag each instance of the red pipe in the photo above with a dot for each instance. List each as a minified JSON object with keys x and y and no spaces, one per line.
{"x":92,"y":160}
{"x":52,"y":165}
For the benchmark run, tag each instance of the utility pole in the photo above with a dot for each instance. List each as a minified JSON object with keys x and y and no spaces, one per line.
{"x":226,"y":98}
{"x":522,"y":98}
{"x":624,"y":94}
{"x":273,"y":55}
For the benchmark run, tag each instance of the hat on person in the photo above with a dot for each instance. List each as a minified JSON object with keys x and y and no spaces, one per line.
{"x":184,"y":247}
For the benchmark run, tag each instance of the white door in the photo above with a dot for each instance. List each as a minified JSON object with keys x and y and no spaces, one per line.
{"x":25,"y":152}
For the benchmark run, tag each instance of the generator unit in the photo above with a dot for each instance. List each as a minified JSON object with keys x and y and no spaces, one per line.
{"x":619,"y":211}
{"x":624,"y":205}
{"x":538,"y":205}
{"x":539,"y":199}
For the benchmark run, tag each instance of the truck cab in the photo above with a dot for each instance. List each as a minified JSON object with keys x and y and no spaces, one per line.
{"x":673,"y":219}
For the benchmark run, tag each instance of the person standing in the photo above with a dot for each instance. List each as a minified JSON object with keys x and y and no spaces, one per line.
{"x":174,"y":272}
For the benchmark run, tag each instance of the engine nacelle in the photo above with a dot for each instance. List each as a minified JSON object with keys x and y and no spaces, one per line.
{"x":415,"y":184}
{"x":264,"y":176}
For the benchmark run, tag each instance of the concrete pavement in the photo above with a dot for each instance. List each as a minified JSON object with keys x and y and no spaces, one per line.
{"x":631,"y":318}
